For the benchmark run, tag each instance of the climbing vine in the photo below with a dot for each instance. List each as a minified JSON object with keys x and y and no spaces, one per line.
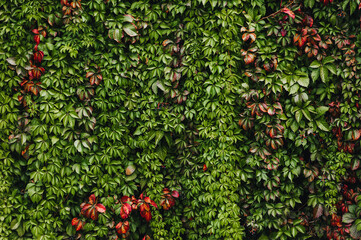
{"x":196,"y":119}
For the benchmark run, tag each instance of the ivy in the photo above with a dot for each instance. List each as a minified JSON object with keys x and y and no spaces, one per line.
{"x":215,"y":119}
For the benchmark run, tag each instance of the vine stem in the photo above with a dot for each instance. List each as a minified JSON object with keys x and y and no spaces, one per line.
{"x":279,"y":11}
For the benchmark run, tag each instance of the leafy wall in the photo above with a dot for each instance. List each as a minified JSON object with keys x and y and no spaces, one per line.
{"x":213,"y":119}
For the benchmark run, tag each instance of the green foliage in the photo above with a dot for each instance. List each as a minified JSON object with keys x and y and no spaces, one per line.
{"x":249,"y":109}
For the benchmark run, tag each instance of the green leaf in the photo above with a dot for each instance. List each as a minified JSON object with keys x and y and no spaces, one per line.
{"x":353,"y":6}
{"x":117,"y":35}
{"x":321,"y":110}
{"x":131,"y":177}
{"x":328,"y":59}
{"x":315,"y":64}
{"x":76,"y":168}
{"x":158,"y":136}
{"x":354,"y":232}
{"x":49,"y":46}
{"x":324,"y":74}
{"x":54,"y":140}
{"x":138,"y":131}
{"x":304,"y":81}
{"x":301,"y":228}
{"x":21,"y":230}
{"x":315,"y":74}
{"x":130,"y":30}
{"x":128,"y":18}
{"x":298,"y":116}
{"x":309,"y":3}
{"x":78,"y":145}
{"x":358,"y":224}
{"x":331,"y":68}
{"x":348,"y":218}
{"x":14,"y":224}
{"x":323,"y":125}
{"x":11,"y":61}
{"x":307,"y":114}
{"x":294,"y":89}
{"x":294,"y":126}
{"x":294,"y":231}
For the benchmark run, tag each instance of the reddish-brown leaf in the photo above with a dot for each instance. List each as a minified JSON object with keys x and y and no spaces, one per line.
{"x":317,"y":211}
{"x":288,"y":12}
{"x":89,"y":74}
{"x":249,"y":58}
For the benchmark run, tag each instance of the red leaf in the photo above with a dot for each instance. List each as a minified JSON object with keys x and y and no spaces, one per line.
{"x":38,"y":56}
{"x":93,"y":214}
{"x":85,"y":206}
{"x":35,"y":31}
{"x":122,"y":227}
{"x":147,"y":199}
{"x":308,"y":20}
{"x":125,"y":210}
{"x":75,"y":221}
{"x":296,"y":38}
{"x":303,"y":41}
{"x":80,"y":226}
{"x":289,"y":12}
{"x":175,"y":194}
{"x":125,"y":199}
{"x":153,"y":204}
{"x":283,"y":32}
{"x":100,"y":208}
{"x":37,"y":39}
{"x":205,"y":167}
{"x":92,"y":199}
{"x":148,"y":216}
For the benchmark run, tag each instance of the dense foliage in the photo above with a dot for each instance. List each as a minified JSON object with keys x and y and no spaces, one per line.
{"x":211,"y":119}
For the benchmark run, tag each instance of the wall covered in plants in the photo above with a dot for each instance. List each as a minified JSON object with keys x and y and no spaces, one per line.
{"x":182,"y":119}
